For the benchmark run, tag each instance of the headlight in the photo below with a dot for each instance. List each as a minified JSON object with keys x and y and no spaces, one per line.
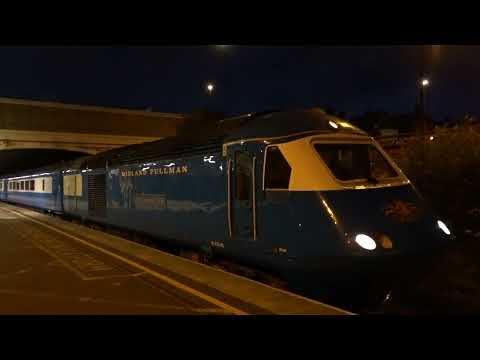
{"x":365,"y":242}
{"x":443,"y":227}
{"x":333,"y":124}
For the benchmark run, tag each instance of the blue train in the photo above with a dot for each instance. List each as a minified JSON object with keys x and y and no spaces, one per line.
{"x":301,"y":194}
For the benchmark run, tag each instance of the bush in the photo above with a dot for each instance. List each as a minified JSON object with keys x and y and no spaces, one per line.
{"x":446,"y":170}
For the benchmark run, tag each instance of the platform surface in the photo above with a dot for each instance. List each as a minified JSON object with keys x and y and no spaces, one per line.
{"x":52,"y":266}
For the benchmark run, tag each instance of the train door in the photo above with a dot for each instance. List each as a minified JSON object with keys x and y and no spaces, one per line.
{"x":242,"y":207}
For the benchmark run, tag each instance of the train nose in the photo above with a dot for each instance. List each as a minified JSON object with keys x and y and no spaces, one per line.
{"x":388,"y":221}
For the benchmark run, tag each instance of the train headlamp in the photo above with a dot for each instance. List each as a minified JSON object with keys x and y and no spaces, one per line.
{"x":333,"y":124}
{"x":443,"y":227}
{"x":365,"y":242}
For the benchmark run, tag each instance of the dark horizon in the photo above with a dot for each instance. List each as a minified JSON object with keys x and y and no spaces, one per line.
{"x":351,"y":79}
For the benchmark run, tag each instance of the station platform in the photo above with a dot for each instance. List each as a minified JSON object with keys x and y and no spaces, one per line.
{"x":49,"y":266}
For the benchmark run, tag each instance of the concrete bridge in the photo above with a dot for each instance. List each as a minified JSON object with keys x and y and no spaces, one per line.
{"x":35,"y":133}
{"x":88,"y":129}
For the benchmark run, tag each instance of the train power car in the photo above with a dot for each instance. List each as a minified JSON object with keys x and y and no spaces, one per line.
{"x":301,"y":194}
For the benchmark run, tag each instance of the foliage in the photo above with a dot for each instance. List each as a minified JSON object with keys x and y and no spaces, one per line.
{"x":446,"y":170}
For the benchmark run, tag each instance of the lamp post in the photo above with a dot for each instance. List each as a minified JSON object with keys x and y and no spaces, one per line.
{"x":424,"y":84}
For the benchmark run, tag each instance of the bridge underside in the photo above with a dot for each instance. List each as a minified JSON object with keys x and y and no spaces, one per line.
{"x":86,"y":143}
{"x":35,"y":133}
{"x":12,"y":161}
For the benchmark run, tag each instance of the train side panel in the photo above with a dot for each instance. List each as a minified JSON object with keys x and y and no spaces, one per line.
{"x":49,"y":198}
{"x":183,"y":199}
{"x":75,"y":200}
{"x":3,"y":190}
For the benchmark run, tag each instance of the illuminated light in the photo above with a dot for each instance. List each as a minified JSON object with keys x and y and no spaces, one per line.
{"x":170,"y":165}
{"x":221,"y":168}
{"x":208,"y":159}
{"x":431,"y":138}
{"x":386,"y":242}
{"x":241,"y":142}
{"x":443,"y":227}
{"x":28,"y":176}
{"x":365,"y":242}
{"x":345,"y":124}
{"x":266,"y":142}
{"x":360,"y":187}
{"x":330,"y":212}
{"x":210,"y":88}
{"x":145,"y":169}
{"x":333,"y":124}
{"x":425,"y":82}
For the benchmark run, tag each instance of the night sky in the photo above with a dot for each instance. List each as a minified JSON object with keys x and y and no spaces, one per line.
{"x":247,"y":78}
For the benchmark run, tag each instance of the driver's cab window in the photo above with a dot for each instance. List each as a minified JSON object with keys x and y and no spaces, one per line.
{"x":277,"y":170}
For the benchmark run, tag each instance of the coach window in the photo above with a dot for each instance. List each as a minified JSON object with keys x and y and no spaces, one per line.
{"x":43,"y":184}
{"x":32,"y":185}
{"x":22,"y":185}
{"x":277,"y":170}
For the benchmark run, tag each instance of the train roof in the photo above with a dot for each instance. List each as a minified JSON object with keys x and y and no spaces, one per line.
{"x":210,"y":137}
{"x":284,"y":123}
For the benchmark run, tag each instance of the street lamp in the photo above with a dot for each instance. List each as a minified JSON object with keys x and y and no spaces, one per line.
{"x":424,"y":84}
{"x":210,"y":88}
